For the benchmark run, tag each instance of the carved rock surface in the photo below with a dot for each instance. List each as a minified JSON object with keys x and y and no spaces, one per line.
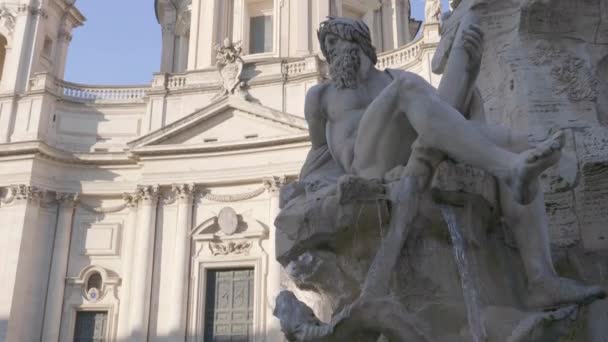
{"x":545,"y":67}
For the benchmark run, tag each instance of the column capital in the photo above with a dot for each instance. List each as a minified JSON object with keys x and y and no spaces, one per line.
{"x":33,"y":10}
{"x":183,"y":192}
{"x":130,"y":199}
{"x":67,"y":199}
{"x":273,"y":184}
{"x":168,"y":28}
{"x":148,"y":194}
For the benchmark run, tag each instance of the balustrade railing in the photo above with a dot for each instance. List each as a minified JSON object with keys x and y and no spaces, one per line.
{"x":177,"y":82}
{"x":89,"y":93}
{"x":401,"y":56}
{"x":294,"y":68}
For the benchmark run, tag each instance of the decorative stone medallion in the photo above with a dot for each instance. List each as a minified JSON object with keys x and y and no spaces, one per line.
{"x":93,"y":294}
{"x":228,"y":220}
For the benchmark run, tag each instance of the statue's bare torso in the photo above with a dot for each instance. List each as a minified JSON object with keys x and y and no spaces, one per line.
{"x":342,"y":110}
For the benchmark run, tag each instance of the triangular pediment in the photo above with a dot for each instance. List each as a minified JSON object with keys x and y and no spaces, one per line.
{"x":229,"y":121}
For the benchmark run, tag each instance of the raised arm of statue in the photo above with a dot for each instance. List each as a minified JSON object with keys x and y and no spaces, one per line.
{"x":463,"y":64}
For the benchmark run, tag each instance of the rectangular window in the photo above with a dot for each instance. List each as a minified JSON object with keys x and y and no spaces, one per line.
{"x":91,"y":326}
{"x":260,"y":34}
{"x":229,"y":305}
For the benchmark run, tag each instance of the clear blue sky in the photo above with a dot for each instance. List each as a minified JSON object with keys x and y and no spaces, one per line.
{"x":120,"y":42}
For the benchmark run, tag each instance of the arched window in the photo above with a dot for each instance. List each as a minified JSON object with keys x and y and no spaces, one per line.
{"x":3,"y":43}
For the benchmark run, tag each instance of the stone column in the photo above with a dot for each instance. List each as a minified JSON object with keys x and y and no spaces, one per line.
{"x":320,"y":15}
{"x":181,"y":256}
{"x":400,"y":23}
{"x":63,"y":43}
{"x":302,"y":27}
{"x":26,"y":246}
{"x":141,"y":284}
{"x":59,"y":266}
{"x":203,"y":32}
{"x":273,"y":287}
{"x":168,"y":47}
{"x":122,"y":333}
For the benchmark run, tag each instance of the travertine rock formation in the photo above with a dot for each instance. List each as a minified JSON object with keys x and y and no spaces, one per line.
{"x":399,"y":238}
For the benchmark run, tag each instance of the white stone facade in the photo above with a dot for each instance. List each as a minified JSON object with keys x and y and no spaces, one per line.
{"x":126,"y":183}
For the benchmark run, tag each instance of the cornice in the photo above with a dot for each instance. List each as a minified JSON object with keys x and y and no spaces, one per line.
{"x":40,"y":149}
{"x":217,"y":148}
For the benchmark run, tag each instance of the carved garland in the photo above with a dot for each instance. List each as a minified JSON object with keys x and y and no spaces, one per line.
{"x":234,"y":197}
{"x":230,"y":248}
{"x":146,"y":193}
{"x":20,"y":192}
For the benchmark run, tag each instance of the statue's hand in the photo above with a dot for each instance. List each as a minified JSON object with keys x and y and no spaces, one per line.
{"x":473,"y":44}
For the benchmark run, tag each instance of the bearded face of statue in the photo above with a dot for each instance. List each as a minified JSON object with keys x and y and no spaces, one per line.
{"x":344,"y":61}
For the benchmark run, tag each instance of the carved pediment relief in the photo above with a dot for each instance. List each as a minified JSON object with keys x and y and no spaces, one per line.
{"x":228,"y":121}
{"x":229,"y":125}
{"x":247,"y":228}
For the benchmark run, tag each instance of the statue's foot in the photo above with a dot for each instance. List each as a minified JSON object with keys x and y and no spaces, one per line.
{"x":553,"y":292}
{"x":530,"y":164}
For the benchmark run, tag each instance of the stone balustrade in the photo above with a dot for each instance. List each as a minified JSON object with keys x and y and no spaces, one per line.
{"x":208,"y":79}
{"x":402,"y":56}
{"x":177,"y":81}
{"x":90,"y":93}
{"x":292,"y":68}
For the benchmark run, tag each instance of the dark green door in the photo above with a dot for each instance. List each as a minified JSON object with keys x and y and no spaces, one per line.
{"x":90,"y":326}
{"x":229,"y":305}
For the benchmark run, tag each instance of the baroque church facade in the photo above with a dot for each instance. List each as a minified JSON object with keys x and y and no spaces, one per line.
{"x":145,"y":213}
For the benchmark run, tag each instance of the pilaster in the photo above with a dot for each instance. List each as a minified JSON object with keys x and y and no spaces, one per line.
{"x":203,"y":33}
{"x":25,"y":257}
{"x":123,"y":329}
{"x":302,"y":27}
{"x":59,"y":264}
{"x":168,"y":47}
{"x":273,"y":186}
{"x":143,"y":262}
{"x":181,"y":256}
{"x":321,"y":10}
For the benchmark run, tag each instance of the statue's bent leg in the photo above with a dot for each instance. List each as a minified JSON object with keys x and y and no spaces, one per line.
{"x":503,"y":137}
{"x":442,"y":127}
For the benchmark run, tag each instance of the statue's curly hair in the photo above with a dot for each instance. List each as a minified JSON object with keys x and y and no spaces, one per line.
{"x":352,"y":30}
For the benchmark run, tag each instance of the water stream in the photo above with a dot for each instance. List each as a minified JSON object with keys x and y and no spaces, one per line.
{"x":467,"y":276}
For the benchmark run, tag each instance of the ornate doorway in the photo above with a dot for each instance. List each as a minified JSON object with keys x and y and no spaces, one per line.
{"x":229,"y":305}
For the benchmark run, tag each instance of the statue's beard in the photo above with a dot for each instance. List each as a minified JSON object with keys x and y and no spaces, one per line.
{"x":344,"y":68}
